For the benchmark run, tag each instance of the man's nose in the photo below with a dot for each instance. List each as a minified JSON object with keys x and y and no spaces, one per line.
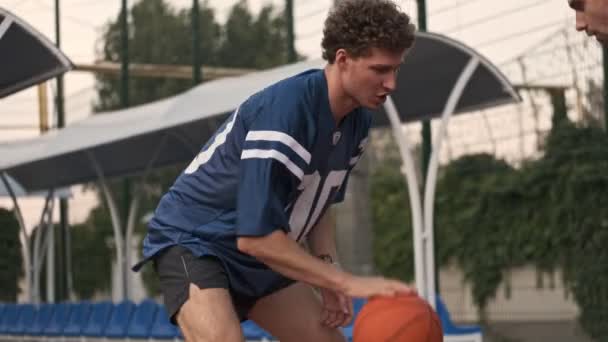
{"x":390,"y":82}
{"x":581,"y":23}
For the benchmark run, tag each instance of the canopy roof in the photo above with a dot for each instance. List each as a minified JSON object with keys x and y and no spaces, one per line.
{"x":27,"y":57}
{"x":172,"y":130}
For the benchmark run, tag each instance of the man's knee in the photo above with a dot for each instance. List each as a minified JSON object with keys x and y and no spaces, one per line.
{"x":208,"y":315}
{"x":195,"y":329}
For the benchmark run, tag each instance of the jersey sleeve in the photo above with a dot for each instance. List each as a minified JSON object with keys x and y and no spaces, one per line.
{"x":364,"y":133}
{"x":274,"y":159}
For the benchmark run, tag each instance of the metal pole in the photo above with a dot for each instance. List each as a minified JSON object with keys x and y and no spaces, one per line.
{"x":558,"y":101}
{"x":124,"y":101}
{"x":62,"y":272}
{"x":605,"y":49}
{"x":426,"y":124}
{"x":291,"y":50}
{"x":36,"y":266}
{"x":124,"y":85}
{"x":426,"y":131}
{"x":196,"y":58}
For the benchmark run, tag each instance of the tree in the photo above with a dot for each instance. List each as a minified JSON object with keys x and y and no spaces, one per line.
{"x":11,"y":261}
{"x":251,"y":42}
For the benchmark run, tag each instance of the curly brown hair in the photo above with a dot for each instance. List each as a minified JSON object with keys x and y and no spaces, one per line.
{"x":359,"y":25}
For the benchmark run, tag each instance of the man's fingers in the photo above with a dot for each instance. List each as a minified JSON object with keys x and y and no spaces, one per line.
{"x":324,"y":315}
{"x":332,"y":318}
{"x":338,"y":319}
{"x":347,"y":318}
{"x":404,"y":288}
{"x":344,"y":303}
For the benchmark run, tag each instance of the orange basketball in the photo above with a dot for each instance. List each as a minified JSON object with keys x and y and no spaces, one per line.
{"x":397,"y":319}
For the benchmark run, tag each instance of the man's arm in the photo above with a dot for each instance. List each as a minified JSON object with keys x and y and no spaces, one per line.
{"x":284,"y":255}
{"x":281,"y":253}
{"x":322,"y":238}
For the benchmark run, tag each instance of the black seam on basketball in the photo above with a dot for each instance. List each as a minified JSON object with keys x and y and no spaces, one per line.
{"x":419,"y":316}
{"x":405,"y":326}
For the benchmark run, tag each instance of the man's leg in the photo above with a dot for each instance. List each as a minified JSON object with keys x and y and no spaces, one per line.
{"x":196,"y":296}
{"x":293,"y":314}
{"x":208,"y":315}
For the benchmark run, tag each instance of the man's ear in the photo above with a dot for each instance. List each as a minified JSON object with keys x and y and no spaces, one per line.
{"x":341,"y":58}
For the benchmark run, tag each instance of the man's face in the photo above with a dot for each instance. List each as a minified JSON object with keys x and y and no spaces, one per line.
{"x":369,"y":79}
{"x":592,"y":17}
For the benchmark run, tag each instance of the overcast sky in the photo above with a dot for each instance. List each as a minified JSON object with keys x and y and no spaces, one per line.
{"x":500,"y":30}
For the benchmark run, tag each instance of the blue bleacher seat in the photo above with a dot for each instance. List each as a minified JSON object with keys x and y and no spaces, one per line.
{"x":448,"y":326}
{"x":119,"y":320}
{"x":253,"y":331}
{"x":2,"y":307}
{"x":357,"y":306}
{"x":42,"y":316}
{"x":348,"y":332}
{"x":100,"y":315}
{"x":26,"y":318}
{"x":59,"y":319}
{"x":143,"y":317}
{"x":162,"y":328}
{"x":78,"y":319}
{"x":10,"y":317}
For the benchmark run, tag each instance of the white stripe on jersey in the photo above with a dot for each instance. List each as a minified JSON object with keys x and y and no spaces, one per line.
{"x":276,"y":155}
{"x":282,"y":138}
{"x":205,"y":155}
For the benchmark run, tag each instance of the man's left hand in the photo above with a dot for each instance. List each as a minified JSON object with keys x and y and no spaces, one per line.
{"x":337,"y":308}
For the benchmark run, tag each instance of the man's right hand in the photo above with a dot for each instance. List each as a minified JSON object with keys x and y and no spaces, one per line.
{"x":365,"y":287}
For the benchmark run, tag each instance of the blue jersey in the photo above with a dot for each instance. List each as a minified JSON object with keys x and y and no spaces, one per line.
{"x":278,"y":162}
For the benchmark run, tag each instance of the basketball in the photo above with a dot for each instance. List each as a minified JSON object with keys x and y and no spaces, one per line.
{"x":397,"y":319}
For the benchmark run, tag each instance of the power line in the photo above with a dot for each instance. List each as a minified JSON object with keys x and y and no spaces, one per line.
{"x":312,"y":13}
{"x":543,"y":52}
{"x":69,"y":18}
{"x":88,"y":3}
{"x":567,"y":73}
{"x":17,"y":4}
{"x":519,"y":33}
{"x":450,"y":7}
{"x":536,"y":45}
{"x":494,"y":17}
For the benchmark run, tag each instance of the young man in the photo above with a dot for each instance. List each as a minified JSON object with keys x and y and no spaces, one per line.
{"x":592,"y":17}
{"x":227,"y":238}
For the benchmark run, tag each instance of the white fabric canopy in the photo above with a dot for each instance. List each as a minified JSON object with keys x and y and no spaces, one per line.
{"x":172,"y":130}
{"x":19,"y":191}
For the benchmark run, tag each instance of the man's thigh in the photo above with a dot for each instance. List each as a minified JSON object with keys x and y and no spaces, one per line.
{"x":293,"y":314}
{"x":196,"y":296}
{"x":208,"y":316}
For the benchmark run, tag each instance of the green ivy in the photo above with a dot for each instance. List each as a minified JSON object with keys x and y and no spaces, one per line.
{"x":491,"y":218}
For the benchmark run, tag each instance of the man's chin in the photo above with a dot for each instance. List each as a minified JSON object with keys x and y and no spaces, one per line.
{"x":372,"y":106}
{"x":376,"y":103}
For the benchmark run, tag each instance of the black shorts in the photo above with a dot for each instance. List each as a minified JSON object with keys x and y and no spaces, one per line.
{"x":177,"y":267}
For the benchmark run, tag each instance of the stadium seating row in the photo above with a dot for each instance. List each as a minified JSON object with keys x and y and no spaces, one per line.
{"x":146,"y":320}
